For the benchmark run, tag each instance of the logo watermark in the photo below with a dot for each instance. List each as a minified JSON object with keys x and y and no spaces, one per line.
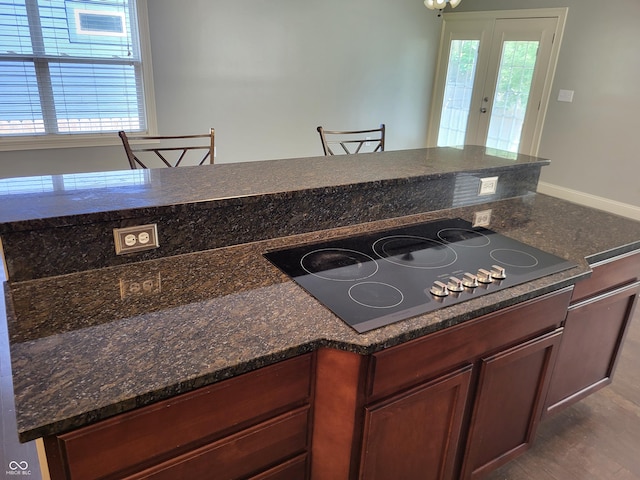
{"x":18,"y":468}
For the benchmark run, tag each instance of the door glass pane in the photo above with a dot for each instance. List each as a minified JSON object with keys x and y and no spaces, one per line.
{"x":461,"y":71}
{"x":512,"y":94}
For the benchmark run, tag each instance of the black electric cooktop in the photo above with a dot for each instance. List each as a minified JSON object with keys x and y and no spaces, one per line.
{"x":373,"y":280}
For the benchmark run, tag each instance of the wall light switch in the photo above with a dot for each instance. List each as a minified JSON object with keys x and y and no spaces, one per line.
{"x":565,"y":96}
{"x":488,"y":186}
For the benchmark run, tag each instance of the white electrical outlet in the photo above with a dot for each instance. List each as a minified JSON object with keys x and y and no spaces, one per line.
{"x":136,"y":239}
{"x":488,"y":186}
{"x":482,"y":218}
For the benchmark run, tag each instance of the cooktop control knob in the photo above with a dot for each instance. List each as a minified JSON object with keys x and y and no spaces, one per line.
{"x":484,"y":276}
{"x":469,"y":280}
{"x":439,"y":289}
{"x":498,"y":272}
{"x":455,"y":285}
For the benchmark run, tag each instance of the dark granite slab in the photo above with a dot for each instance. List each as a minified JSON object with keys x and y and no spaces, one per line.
{"x":84,"y":347}
{"x":67,"y":224}
{"x":62,"y":200}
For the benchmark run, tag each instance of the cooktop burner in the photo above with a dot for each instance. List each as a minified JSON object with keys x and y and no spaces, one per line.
{"x":373,"y":280}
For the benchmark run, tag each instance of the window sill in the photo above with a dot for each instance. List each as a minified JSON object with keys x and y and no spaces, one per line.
{"x":38,"y":142}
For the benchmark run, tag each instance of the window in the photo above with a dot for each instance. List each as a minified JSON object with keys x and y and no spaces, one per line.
{"x":515,"y":76}
{"x":458,"y":89}
{"x":71,"y":69}
{"x":100,"y":23}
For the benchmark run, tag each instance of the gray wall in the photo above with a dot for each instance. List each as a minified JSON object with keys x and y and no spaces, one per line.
{"x":592,"y":142}
{"x":266,"y":73}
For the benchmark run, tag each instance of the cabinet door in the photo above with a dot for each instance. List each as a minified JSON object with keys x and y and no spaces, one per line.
{"x":511,"y":391}
{"x":592,"y":341}
{"x":414,"y":435}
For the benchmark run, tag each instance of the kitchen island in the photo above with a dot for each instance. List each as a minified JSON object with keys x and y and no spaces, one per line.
{"x":86,"y":347}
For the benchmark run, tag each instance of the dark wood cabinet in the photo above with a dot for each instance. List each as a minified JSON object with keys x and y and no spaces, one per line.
{"x":416,"y":434}
{"x":253,"y":424}
{"x":428,"y":357}
{"x":239,"y":455}
{"x":294,"y":469}
{"x":407,"y":411}
{"x":508,"y":406}
{"x":594,"y":332}
{"x":597,"y":321}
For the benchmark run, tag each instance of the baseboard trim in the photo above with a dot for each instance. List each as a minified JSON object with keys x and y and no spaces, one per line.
{"x":601,"y":203}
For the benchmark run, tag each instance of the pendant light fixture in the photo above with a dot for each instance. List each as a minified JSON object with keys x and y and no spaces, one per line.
{"x":440,"y":4}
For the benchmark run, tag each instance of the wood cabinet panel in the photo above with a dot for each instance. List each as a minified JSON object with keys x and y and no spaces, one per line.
{"x":594,"y":332}
{"x":416,"y":434}
{"x":421,"y":359}
{"x":511,"y":391}
{"x":241,"y":455}
{"x":608,"y":275}
{"x":163,"y":430}
{"x":294,"y":469}
{"x":338,"y":402}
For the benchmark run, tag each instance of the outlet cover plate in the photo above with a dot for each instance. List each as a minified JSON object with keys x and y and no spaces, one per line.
{"x":136,"y":239}
{"x":488,"y":186}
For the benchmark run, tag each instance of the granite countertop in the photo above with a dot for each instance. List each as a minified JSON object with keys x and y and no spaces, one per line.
{"x":82,"y":350}
{"x":61,"y":200}
{"x":62,"y":224}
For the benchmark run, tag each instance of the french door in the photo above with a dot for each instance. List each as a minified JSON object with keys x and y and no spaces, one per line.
{"x":494,"y":78}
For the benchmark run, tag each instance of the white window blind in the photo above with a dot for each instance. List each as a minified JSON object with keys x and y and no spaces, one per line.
{"x":70,"y":67}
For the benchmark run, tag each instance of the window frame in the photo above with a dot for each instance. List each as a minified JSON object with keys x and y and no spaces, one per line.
{"x":74,"y":140}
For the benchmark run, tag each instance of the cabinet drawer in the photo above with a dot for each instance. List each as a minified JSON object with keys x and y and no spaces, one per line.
{"x":607,"y":275}
{"x":241,"y":455}
{"x":154,"y":433}
{"x":421,"y":359}
{"x":294,"y":469}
